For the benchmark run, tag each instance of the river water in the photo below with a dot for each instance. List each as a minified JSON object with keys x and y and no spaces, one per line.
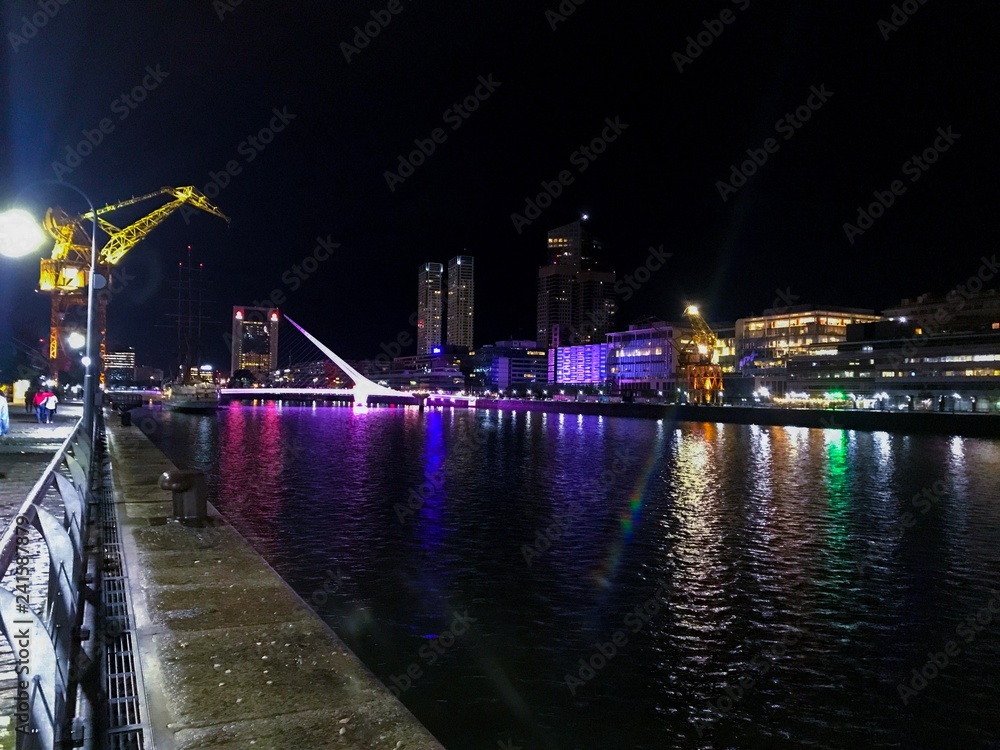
{"x":585,"y":583}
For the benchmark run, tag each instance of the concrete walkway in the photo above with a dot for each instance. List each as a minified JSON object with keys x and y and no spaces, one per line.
{"x":230,"y":656}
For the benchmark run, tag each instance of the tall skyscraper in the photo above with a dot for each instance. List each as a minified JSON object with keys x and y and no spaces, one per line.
{"x":255,"y":340}
{"x":461,"y":300}
{"x":572,"y":293}
{"x":430,"y":297}
{"x":555,"y":302}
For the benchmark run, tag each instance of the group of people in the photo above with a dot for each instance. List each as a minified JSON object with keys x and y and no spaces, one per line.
{"x":44,"y":403}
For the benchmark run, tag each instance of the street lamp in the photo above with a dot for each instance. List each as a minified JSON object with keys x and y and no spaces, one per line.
{"x":20,"y":235}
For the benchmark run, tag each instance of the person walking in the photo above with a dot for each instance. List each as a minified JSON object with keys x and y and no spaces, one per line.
{"x":50,"y":406}
{"x":40,"y":411}
{"x":4,"y":415}
{"x":29,"y":401}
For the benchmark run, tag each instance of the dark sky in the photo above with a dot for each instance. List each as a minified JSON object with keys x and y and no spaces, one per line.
{"x":323,"y":174}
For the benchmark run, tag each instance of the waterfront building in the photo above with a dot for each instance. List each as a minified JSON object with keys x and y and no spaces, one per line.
{"x":430,"y":301}
{"x":574,"y":293}
{"x":644,"y":361}
{"x":555,"y":301}
{"x":518,"y":365}
{"x":929,"y":353}
{"x":765,"y":343}
{"x":461,"y":301}
{"x":119,"y":367}
{"x":255,"y":340}
{"x":321,"y":373}
{"x":580,"y":365}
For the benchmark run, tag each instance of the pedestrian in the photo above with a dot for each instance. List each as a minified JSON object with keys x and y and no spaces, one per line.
{"x":29,"y":401}
{"x":4,"y":415}
{"x":50,"y":406}
{"x":40,"y":411}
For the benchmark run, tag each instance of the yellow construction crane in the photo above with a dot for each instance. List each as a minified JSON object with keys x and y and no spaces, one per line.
{"x":64,"y":275}
{"x":699,"y":360}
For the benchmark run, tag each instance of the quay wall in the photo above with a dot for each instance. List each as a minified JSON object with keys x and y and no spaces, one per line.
{"x":964,"y":424}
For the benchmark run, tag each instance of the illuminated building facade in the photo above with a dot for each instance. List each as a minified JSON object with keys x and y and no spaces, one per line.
{"x":931,"y":353}
{"x":430,"y":303}
{"x":644,"y":361}
{"x":461,"y":301}
{"x":584,"y":364}
{"x":119,"y":367}
{"x":255,"y":340}
{"x":766,"y":342}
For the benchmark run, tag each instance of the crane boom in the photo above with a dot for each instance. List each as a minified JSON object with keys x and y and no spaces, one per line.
{"x":65,"y":274}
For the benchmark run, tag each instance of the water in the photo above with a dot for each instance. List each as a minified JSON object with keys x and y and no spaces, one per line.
{"x":723,"y":585}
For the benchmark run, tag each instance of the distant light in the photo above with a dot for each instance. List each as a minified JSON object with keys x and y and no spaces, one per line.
{"x":76,"y":340}
{"x":585,"y":217}
{"x":902,"y":320}
{"x":274,"y":317}
{"x":436,"y":350}
{"x":239,"y":315}
{"x":206,"y":368}
{"x":86,"y":361}
{"x":691,"y":310}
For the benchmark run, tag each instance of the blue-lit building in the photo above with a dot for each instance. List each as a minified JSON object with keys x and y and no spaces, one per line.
{"x":583,"y":365}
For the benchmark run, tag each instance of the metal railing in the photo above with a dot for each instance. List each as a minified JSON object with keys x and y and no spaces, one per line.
{"x":48,"y":641}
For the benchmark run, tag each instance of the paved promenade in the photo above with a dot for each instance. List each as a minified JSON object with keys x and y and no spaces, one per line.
{"x":230,"y":656}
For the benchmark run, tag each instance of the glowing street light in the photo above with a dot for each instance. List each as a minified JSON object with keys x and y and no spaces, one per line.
{"x":76,"y":340}
{"x":20,"y":234}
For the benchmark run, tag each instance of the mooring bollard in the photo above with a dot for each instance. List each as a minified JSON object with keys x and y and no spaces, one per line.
{"x":190,"y":495}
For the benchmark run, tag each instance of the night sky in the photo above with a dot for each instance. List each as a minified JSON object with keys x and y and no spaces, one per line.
{"x":323,"y":175}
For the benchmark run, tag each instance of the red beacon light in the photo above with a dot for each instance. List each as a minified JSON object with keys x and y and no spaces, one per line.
{"x":274,"y":317}
{"x":239,"y":315}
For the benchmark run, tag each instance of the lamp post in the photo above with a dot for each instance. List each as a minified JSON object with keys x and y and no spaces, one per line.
{"x":20,"y":235}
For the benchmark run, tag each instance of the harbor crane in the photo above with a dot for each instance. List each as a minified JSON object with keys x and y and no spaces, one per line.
{"x":699,"y":360}
{"x":65,"y":273}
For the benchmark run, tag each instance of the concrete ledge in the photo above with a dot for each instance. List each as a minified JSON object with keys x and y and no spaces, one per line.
{"x":966,"y":424}
{"x":230,"y":656}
